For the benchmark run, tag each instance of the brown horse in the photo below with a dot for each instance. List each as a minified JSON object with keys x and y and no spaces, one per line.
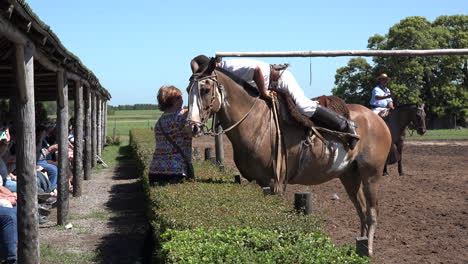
{"x":249,"y":124}
{"x":397,"y":121}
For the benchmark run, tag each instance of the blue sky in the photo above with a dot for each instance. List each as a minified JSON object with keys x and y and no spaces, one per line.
{"x":134,"y":47}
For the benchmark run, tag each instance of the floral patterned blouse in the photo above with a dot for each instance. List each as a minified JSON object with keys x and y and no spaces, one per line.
{"x":166,"y":159}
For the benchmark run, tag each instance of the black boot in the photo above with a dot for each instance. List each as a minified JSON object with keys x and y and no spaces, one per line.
{"x":334,"y":121}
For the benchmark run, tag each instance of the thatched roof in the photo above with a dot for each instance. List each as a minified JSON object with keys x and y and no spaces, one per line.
{"x":18,"y":15}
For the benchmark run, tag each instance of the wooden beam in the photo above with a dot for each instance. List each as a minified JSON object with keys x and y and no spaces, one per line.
{"x":341,"y":53}
{"x":10,"y":11}
{"x":11,"y":32}
{"x":62,"y":128}
{"x":28,"y":26}
{"x":46,"y":74}
{"x":78,"y":141}
{"x":28,"y":227}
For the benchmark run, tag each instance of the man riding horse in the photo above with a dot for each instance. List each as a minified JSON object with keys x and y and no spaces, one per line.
{"x":381,"y":98}
{"x":266,"y":77}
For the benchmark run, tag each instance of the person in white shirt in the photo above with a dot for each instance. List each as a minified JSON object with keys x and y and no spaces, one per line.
{"x":381,"y":96}
{"x":263,"y":75}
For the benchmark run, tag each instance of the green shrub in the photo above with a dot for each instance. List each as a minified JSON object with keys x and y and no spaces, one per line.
{"x":213,"y":220}
{"x":113,"y":141}
{"x":248,"y":245}
{"x":194,"y":204}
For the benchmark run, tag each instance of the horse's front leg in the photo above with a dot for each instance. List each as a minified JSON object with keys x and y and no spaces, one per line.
{"x":400,"y":150}
{"x":385,"y":172}
{"x":353,"y":186}
{"x":370,"y":192}
{"x":275,"y":186}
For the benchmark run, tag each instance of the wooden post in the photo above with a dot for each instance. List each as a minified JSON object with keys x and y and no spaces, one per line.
{"x":62,"y":125}
{"x":28,"y":222}
{"x":208,"y":154}
{"x":303,"y":202}
{"x":266,"y":190}
{"x":237,"y":179}
{"x":104,"y":122}
{"x":93,"y":130}
{"x":78,"y":140}
{"x":88,"y":136}
{"x":362,"y":246}
{"x":98,"y":125}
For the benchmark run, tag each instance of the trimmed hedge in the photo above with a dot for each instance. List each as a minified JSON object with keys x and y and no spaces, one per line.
{"x":214,"y":220}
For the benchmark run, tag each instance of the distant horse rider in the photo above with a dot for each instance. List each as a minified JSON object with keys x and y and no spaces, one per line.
{"x":264,"y":74}
{"x":381,"y":97}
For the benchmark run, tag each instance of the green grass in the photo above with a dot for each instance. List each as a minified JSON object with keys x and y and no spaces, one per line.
{"x":135,"y":115}
{"x":123,"y":120}
{"x":97,"y":214}
{"x":136,"y":112}
{"x":54,"y":255}
{"x":441,"y":134}
{"x":121,"y":128}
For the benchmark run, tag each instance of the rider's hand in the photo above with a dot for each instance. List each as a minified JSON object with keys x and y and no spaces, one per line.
{"x":269,"y":94}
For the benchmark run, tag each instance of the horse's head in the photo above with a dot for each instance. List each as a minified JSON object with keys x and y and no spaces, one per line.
{"x":204,"y":94}
{"x":419,"y":121}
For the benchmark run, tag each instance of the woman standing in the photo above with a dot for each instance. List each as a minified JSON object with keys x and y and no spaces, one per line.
{"x":172,"y":157}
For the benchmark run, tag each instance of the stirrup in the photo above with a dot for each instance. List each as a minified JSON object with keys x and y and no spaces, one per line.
{"x":352,"y":129}
{"x":352,"y":143}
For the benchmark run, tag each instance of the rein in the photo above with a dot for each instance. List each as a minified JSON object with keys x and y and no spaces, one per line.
{"x":210,"y":131}
{"x":277,"y":163}
{"x":210,"y":108}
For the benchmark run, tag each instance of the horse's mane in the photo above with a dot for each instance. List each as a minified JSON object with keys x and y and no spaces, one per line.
{"x":407,"y":105}
{"x":247,"y":86}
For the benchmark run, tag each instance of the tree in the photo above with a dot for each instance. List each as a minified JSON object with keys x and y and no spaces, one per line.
{"x":439,"y":81}
{"x":354,"y":82}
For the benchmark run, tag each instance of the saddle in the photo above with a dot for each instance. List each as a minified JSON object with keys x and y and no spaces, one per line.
{"x":384,"y":113}
{"x":292,"y":115}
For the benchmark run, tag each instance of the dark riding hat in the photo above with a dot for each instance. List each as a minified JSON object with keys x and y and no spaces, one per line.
{"x":199,"y":63}
{"x":383,"y":76}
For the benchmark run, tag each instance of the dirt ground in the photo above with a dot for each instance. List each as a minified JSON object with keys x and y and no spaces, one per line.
{"x":108,"y":218}
{"x":423,"y":215}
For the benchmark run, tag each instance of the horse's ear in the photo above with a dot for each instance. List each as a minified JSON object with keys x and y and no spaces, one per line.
{"x":211,"y":66}
{"x":194,"y":65}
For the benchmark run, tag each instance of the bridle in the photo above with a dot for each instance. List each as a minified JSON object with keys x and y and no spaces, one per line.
{"x":420,"y":115}
{"x":216,"y":103}
{"x":419,"y":125}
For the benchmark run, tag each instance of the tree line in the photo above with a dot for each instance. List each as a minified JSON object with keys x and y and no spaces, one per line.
{"x":135,"y":107}
{"x":441,"y":82}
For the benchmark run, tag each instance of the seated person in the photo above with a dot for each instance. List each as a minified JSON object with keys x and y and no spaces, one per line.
{"x":8,"y":234}
{"x":44,"y":151}
{"x":8,"y":181}
{"x":8,"y":197}
{"x":381,"y":97}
